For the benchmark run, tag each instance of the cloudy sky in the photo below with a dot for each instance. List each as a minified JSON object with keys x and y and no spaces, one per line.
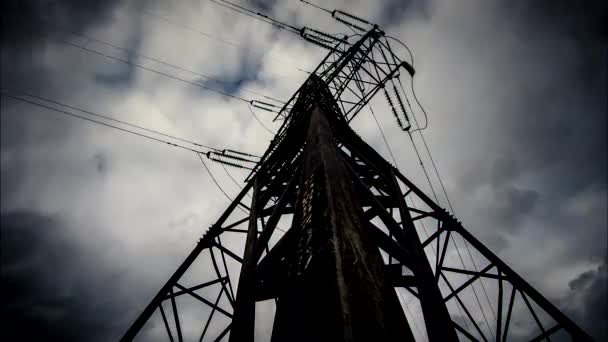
{"x":93,"y":220}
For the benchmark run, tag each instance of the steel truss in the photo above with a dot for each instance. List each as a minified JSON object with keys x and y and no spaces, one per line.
{"x":244,"y":257}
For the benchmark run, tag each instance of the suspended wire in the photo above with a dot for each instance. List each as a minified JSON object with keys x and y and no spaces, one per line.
{"x":259,"y":121}
{"x":216,"y":182}
{"x":451,"y":208}
{"x":63,"y":112}
{"x":112,"y":119}
{"x":256,"y":15}
{"x":390,"y":151}
{"x":426,"y":175}
{"x":428,"y":151}
{"x":412,"y":201}
{"x":145,"y":68}
{"x":189,"y":28}
{"x":419,"y":129}
{"x":137,"y":53}
{"x":426,"y":119}
{"x":316,"y":6}
{"x":452,"y":239}
{"x":232,"y":178}
{"x":209,"y":35}
{"x":445,"y":194}
{"x":164,"y":62}
{"x":198,"y":153}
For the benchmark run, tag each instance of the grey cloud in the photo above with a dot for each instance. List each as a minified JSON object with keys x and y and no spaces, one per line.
{"x":393,"y":12}
{"x":542,"y":162}
{"x":101,"y":162}
{"x":512,"y":204}
{"x":588,"y":301}
{"x":50,"y":294}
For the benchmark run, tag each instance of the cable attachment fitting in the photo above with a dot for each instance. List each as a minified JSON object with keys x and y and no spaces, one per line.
{"x":409,"y":68}
{"x":320,"y":38}
{"x":232,"y":158}
{"x":264,"y":106}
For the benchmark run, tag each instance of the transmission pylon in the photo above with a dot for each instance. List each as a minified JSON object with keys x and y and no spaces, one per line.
{"x":331,"y":238}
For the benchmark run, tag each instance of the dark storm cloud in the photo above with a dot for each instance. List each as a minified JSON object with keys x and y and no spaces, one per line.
{"x":25,"y":31}
{"x":553,"y":125}
{"x":589,"y":296}
{"x":395,"y":11}
{"x":248,"y":69}
{"x":551,"y":128}
{"x":123,"y":74}
{"x":31,"y":25}
{"x":548,"y":170}
{"x":25,"y":35}
{"x":101,"y":162}
{"x":263,"y":5}
{"x":52,"y":287}
{"x":512,"y":204}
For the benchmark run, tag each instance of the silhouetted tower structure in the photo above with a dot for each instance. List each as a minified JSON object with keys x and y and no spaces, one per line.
{"x":353,"y":236}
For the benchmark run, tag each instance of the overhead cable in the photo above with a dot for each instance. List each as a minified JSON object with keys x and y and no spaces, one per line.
{"x":156,"y":60}
{"x":209,"y":35}
{"x":112,"y":119}
{"x":257,"y":15}
{"x":258,"y":120}
{"x":8,"y":94}
{"x":93,"y":51}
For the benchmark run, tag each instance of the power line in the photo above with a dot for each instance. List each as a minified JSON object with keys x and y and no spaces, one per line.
{"x":232,"y":178}
{"x":145,"y":68}
{"x":157,"y":60}
{"x":419,"y":130}
{"x":256,"y":15}
{"x":64,"y":112}
{"x":154,"y":71}
{"x":113,"y":119}
{"x":452,"y":238}
{"x":165,"y":74}
{"x":428,"y":151}
{"x":390,"y":151}
{"x":316,"y":6}
{"x":413,"y":204}
{"x":208,"y":35}
{"x":213,"y":178}
{"x":259,"y":121}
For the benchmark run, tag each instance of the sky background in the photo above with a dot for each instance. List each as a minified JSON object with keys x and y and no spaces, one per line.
{"x":93,"y":220}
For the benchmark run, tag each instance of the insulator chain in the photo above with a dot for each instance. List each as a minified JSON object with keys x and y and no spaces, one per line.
{"x":239,"y":152}
{"x":233,"y":157}
{"x":349,"y":19}
{"x":234,"y":161}
{"x":391,"y":104}
{"x":264,"y":106}
{"x":323,"y":35}
{"x":319,"y":38}
{"x":403,"y":111}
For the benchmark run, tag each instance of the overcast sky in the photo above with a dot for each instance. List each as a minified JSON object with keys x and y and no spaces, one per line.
{"x":93,"y":220}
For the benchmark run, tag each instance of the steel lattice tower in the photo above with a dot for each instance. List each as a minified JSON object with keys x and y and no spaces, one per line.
{"x":352,"y":237}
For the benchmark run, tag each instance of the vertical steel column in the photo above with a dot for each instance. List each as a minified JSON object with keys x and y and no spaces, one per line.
{"x":337,"y":288}
{"x":439,"y":325}
{"x":243,"y":321}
